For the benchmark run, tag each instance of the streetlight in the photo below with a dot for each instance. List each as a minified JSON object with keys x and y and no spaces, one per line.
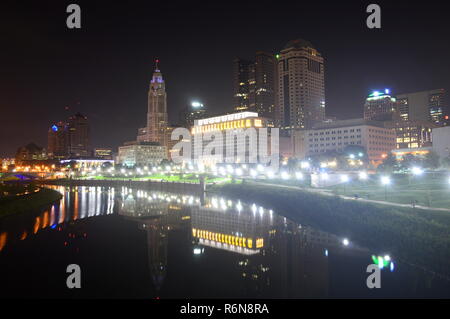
{"x":304,"y":165}
{"x":385,"y":180}
{"x":345,"y":179}
{"x":299,"y":175}
{"x":345,"y":242}
{"x":363,"y":176}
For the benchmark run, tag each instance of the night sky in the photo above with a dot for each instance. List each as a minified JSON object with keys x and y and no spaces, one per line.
{"x":103,"y":70}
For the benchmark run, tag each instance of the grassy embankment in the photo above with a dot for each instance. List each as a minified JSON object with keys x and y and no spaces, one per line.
{"x":12,"y":204}
{"x":418,"y":236}
{"x":185,"y":178}
{"x":427,"y":190}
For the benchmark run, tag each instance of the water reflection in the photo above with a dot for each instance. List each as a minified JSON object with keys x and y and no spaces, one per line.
{"x":189,"y":246}
{"x":269,"y":255}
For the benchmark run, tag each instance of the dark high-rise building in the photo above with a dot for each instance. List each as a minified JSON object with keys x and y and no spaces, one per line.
{"x":264,"y":87}
{"x":300,"y":82}
{"x":189,"y":114}
{"x":78,"y":127}
{"x":58,"y":140}
{"x":254,"y":84}
{"x":241,"y":71}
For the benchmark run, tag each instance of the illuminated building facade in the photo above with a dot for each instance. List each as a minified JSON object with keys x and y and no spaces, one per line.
{"x":376,"y":139}
{"x":141,"y":154}
{"x":103,"y":153}
{"x":229,"y":123}
{"x":301,"y":86}
{"x":423,"y":106}
{"x":254,"y":84}
{"x":380,"y":106}
{"x":412,"y":134}
{"x":157,"y":118}
{"x":6,"y":162}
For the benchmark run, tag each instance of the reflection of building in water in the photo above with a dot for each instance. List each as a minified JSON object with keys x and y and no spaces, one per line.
{"x":265,"y":254}
{"x":157,"y":216}
{"x":230,"y":230}
{"x":274,"y":256}
{"x":244,"y":231}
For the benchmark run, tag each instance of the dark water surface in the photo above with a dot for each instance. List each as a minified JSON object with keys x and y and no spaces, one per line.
{"x":144,"y":244}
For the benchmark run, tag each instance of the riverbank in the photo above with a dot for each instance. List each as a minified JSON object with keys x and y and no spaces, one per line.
{"x":29,"y":202}
{"x":163,"y":186}
{"x":419,"y":237}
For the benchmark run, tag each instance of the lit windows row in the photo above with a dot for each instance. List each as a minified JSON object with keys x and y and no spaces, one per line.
{"x":227,"y":239}
{"x":227,"y":126}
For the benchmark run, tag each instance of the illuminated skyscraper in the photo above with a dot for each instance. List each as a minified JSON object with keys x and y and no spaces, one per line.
{"x":301,"y":86}
{"x":157,"y":119}
{"x":380,"y":106}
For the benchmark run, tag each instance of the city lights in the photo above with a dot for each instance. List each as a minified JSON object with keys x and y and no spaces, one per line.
{"x":417,"y":171}
{"x":284,"y":175}
{"x":196,"y":104}
{"x":363,"y":176}
{"x":385,"y":180}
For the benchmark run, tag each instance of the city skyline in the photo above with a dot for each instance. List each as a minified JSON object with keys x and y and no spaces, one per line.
{"x":111,"y":90}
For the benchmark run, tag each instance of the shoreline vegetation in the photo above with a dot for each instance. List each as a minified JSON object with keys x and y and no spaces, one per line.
{"x":40,"y":199}
{"x":418,"y":237}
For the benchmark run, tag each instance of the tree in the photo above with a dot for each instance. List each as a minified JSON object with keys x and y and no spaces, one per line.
{"x":389,"y":164}
{"x":431,"y":160}
{"x":410,"y":161}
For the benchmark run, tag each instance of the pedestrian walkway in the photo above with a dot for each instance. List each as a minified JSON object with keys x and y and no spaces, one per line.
{"x":329,"y":193}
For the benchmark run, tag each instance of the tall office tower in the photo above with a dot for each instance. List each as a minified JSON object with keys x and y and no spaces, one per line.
{"x":423,"y":106}
{"x":380,"y":106}
{"x":241,"y":72}
{"x":157,"y":118}
{"x":58,"y":140}
{"x":189,"y":114}
{"x":254,"y":84}
{"x":78,"y":127}
{"x":301,"y":87}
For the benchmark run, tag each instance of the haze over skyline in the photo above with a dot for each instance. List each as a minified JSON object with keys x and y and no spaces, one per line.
{"x":103,"y":70}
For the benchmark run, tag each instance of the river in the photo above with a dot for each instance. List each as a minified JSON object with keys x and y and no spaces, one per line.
{"x":132,"y":243}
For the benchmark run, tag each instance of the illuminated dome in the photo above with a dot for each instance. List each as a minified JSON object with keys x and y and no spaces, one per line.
{"x":298,"y":44}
